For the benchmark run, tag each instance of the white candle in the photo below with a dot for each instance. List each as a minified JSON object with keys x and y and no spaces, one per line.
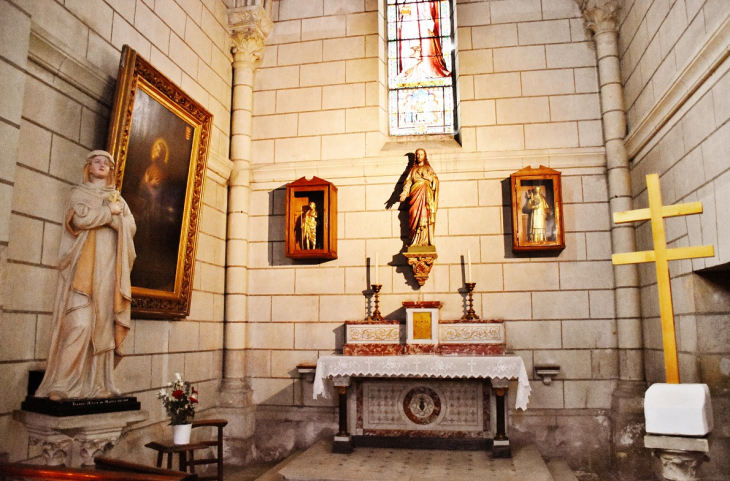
{"x":468,"y":260}
{"x":376,"y":268}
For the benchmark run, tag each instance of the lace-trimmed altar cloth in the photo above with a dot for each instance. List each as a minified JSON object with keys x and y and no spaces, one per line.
{"x":443,"y":367}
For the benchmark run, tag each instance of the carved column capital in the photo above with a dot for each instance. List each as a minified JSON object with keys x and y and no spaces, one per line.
{"x":600,"y":16}
{"x":250,"y":26}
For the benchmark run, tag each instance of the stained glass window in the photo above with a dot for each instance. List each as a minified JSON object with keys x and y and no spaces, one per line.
{"x":421,"y":67}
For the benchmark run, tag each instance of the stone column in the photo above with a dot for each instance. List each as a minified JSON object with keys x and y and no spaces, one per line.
{"x":250,"y":25}
{"x":629,"y":458}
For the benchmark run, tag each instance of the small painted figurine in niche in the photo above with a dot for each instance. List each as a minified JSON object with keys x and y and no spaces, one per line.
{"x":422,"y":191}
{"x":309,"y":227}
{"x":92,"y":307}
{"x":539,"y":210}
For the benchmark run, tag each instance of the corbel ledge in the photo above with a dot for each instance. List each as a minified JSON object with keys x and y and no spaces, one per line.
{"x":600,"y":16}
{"x":249,"y":27}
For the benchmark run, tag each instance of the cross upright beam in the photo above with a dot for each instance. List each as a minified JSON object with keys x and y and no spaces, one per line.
{"x":661,"y":255}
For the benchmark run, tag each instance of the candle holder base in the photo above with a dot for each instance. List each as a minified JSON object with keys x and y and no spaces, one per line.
{"x":470,"y":313}
{"x":376,"y":316}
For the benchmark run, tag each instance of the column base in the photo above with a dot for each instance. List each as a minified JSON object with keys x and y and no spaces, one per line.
{"x":235,"y":403}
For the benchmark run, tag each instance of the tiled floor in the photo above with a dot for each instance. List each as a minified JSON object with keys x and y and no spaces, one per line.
{"x":370,"y":464}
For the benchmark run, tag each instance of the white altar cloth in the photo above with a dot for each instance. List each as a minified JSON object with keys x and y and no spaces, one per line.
{"x":444,"y":367}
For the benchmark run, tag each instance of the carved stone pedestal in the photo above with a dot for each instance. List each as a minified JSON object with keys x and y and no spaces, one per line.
{"x":74,"y":441}
{"x":680,"y":456}
{"x":421,"y":259}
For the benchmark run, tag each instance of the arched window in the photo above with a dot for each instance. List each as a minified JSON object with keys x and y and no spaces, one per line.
{"x":421,"y":67}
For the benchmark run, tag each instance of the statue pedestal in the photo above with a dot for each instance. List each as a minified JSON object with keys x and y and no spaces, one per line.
{"x":74,"y":441}
{"x":421,"y":259}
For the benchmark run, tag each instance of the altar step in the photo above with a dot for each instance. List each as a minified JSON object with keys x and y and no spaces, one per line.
{"x":318,"y":463}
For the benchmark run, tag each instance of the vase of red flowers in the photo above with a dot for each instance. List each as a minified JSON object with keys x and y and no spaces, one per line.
{"x":180,"y":404}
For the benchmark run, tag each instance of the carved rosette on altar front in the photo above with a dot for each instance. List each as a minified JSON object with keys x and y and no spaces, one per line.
{"x":422,"y":262}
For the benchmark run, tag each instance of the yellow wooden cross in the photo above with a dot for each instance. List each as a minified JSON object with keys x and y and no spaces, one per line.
{"x":661,"y":257}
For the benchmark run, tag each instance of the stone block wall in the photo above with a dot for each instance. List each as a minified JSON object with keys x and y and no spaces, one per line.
{"x":59,"y":61}
{"x":528,"y":88}
{"x":677,"y":85}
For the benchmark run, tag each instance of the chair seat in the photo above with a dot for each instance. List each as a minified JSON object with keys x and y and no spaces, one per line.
{"x":186,"y":451}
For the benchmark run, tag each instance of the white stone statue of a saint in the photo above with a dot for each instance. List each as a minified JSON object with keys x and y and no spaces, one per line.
{"x":91,"y":312}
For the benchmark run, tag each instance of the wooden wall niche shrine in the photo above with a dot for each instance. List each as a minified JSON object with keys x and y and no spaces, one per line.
{"x":311,"y":219}
{"x":537,"y":210}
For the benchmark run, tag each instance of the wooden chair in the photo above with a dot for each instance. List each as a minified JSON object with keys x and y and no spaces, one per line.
{"x":217,"y":443}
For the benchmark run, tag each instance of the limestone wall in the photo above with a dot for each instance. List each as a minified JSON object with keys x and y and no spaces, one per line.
{"x":677,"y":86}
{"x":528,"y":90}
{"x":59,"y":62}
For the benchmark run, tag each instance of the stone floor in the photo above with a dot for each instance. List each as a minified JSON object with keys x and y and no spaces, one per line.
{"x":318,"y":463}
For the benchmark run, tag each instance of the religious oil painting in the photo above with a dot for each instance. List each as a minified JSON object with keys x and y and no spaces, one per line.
{"x":159,"y":136}
{"x":421,"y":67}
{"x":537,"y":210}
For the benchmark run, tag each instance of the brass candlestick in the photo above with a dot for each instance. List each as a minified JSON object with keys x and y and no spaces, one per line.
{"x":470,"y":314}
{"x":376,"y":293}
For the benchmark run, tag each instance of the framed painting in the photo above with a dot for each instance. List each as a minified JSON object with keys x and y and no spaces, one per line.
{"x":537,"y":210}
{"x":159,"y":137}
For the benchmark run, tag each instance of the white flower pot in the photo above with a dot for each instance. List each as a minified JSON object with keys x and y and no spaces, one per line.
{"x":181,"y":433}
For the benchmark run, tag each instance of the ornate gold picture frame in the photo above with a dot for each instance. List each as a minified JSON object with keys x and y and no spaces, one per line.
{"x":537,"y":210}
{"x":159,"y":137}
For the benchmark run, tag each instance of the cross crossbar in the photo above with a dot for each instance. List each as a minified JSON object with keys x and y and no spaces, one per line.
{"x":667,"y":211}
{"x":672,"y":255}
{"x":661,"y":255}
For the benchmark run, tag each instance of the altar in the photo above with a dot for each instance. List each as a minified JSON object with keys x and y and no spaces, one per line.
{"x":429,"y":401}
